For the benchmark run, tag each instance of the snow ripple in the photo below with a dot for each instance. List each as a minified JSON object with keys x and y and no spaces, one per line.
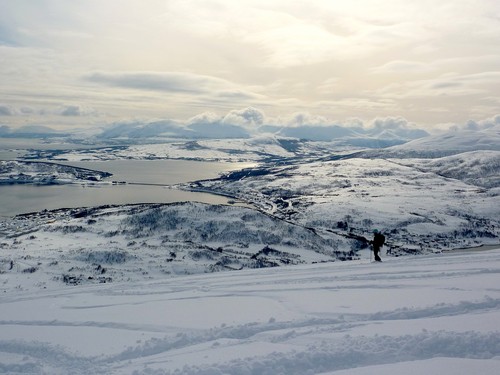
{"x":300,"y":320}
{"x":354,"y":352}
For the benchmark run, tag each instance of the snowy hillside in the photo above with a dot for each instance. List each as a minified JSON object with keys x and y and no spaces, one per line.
{"x":449,"y":143}
{"x":435,"y":315}
{"x":465,"y":140}
{"x":23,"y":172}
{"x":257,"y":149}
{"x":143,"y":242}
{"x":418,"y":209}
{"x":479,"y":168}
{"x":422,"y":204}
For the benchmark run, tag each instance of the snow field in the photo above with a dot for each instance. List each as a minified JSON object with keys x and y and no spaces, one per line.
{"x":416,"y":207}
{"x":437,"y":314}
{"x":146,"y":242}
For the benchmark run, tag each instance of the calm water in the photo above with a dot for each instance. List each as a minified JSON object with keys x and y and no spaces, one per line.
{"x":16,"y":199}
{"x":166,"y":172}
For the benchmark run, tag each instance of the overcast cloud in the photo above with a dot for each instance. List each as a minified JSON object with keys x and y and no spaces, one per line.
{"x":316,"y":62}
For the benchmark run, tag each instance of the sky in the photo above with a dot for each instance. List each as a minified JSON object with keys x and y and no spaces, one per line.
{"x":86,"y":63}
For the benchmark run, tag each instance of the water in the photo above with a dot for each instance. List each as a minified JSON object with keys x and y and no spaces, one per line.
{"x":16,"y":199}
{"x":165,"y":172}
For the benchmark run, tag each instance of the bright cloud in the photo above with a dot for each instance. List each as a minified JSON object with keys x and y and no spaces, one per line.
{"x":163,"y":81}
{"x":6,"y":110}
{"x":248,"y":117}
{"x":431,"y":62}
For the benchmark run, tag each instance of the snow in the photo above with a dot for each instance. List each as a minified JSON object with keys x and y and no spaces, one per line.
{"x":135,"y":289}
{"x":434,"y":314}
{"x":478,"y":168}
{"x":143,"y":242}
{"x":249,"y":150}
{"x":463,"y":140}
{"x":435,"y":366}
{"x":409,"y":199}
{"x":21,"y":172}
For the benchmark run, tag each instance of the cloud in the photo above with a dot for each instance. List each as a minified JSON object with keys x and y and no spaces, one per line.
{"x":76,"y":110}
{"x":217,"y":130}
{"x":449,"y":84}
{"x":145,"y":129}
{"x":6,"y":110}
{"x":492,"y":122}
{"x":163,"y":81}
{"x":390,"y":123}
{"x":238,"y":123}
{"x":403,"y":67}
{"x":9,"y":110}
{"x":485,"y":124}
{"x":317,"y":133}
{"x":178,"y":56}
{"x":468,"y":81}
{"x":391,"y":130}
{"x":205,"y":118}
{"x":396,"y":126}
{"x":68,"y":110}
{"x":251,"y":121}
{"x":235,"y":124}
{"x":237,"y":94}
{"x":303,"y":118}
{"x":298,"y":43}
{"x":246,"y":117}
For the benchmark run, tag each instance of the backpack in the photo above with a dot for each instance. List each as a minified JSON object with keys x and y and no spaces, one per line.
{"x":379,"y":239}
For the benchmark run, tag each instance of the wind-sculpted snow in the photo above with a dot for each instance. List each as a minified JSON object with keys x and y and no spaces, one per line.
{"x":438,"y":313}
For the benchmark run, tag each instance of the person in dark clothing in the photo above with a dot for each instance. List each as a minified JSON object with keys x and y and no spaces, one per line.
{"x":377,"y":243}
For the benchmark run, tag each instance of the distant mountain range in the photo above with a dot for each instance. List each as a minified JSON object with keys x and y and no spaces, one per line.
{"x":137,"y":132}
{"x":31,"y":131}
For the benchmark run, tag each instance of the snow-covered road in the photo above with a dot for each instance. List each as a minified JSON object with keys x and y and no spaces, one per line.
{"x":427,"y":314}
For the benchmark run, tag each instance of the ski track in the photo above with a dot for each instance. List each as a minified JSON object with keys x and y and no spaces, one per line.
{"x":330,"y":336}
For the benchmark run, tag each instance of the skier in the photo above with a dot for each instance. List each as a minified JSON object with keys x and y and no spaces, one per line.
{"x":377,"y":243}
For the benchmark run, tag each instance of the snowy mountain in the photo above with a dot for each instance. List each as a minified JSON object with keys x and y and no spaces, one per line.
{"x":479,"y":168}
{"x":261,"y":149}
{"x":449,"y":143}
{"x":139,"y":141}
{"x":219,"y":128}
{"x":31,"y":131}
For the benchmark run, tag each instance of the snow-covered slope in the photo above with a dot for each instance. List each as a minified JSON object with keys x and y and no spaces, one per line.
{"x":449,"y":143}
{"x":143,"y":242}
{"x":436,"y":315}
{"x":24,"y":172}
{"x":416,"y":208}
{"x":262,"y":148}
{"x":479,"y":168}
